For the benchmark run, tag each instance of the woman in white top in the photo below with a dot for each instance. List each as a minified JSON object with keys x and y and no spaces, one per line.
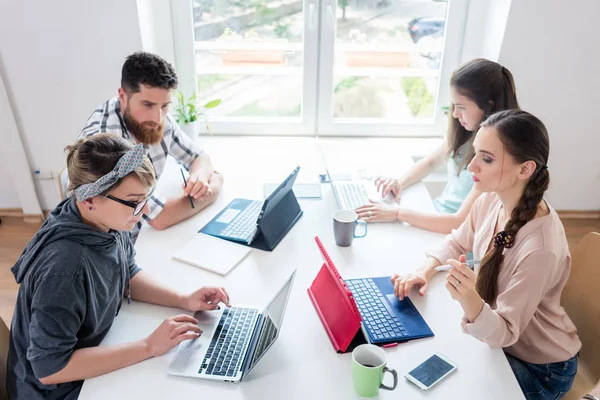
{"x":478,"y":89}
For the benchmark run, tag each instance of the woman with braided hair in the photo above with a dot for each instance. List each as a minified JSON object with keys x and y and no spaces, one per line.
{"x":512,"y":299}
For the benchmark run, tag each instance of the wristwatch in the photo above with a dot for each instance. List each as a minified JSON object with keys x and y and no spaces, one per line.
{"x":590,"y":397}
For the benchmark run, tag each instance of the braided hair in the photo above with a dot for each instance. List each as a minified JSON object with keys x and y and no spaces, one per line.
{"x":525,"y":138}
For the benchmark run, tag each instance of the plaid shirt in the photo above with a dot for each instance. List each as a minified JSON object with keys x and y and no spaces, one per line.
{"x":107,"y":118}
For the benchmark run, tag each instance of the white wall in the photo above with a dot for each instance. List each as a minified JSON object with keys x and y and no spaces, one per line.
{"x":486,"y":21}
{"x":8,"y":193}
{"x":552,"y":49}
{"x":62,"y":59}
{"x":156,"y":27}
{"x":13,"y":155}
{"x":496,"y":18}
{"x":9,"y":197}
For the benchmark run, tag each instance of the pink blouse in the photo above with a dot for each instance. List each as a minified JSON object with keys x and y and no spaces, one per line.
{"x":527,"y":319}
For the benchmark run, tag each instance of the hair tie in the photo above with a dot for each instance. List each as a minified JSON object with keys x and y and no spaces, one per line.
{"x":503,"y":239}
{"x":126,"y":164}
{"x":544,"y":167}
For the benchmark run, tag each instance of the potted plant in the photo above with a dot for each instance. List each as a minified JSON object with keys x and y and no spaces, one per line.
{"x":376,"y":57}
{"x":187,"y":113}
{"x":236,"y":56}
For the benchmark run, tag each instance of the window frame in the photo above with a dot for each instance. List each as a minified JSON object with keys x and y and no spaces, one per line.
{"x":318,"y":49}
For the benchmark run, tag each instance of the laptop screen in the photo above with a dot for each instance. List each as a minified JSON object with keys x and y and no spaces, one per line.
{"x":329,"y":179}
{"x":324,"y":161}
{"x":271,"y":322}
{"x":283,"y":189}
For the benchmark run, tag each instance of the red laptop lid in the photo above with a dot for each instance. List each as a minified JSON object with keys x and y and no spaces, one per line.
{"x":334,"y":303}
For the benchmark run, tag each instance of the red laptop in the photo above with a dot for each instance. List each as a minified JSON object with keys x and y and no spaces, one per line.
{"x":365,"y":310}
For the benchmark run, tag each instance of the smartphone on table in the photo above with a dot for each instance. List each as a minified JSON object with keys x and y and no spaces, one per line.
{"x":431,"y":371}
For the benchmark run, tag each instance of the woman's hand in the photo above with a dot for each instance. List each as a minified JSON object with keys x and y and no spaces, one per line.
{"x":377,"y":212}
{"x":387,"y":185}
{"x":206,"y":298}
{"x":170,"y":333}
{"x":403,"y":284}
{"x":461,"y":285}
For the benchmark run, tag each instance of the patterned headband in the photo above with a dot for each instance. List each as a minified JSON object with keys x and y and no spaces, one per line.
{"x":126,"y":164}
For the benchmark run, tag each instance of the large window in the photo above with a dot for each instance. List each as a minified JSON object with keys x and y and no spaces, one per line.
{"x":353,"y":67}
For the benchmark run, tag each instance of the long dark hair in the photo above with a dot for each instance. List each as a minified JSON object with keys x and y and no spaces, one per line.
{"x":491,"y":86}
{"x":525,"y":138}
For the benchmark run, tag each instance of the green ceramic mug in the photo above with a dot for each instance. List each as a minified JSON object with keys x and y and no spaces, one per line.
{"x":368,"y":368}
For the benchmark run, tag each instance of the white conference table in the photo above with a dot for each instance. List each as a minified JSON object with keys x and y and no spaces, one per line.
{"x":302,"y":363}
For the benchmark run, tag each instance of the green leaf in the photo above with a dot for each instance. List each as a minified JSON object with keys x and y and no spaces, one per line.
{"x":180,"y":116}
{"x":180,"y":98}
{"x":347,"y":83}
{"x":187,"y":112}
{"x":191,"y":109}
{"x":212,"y":103}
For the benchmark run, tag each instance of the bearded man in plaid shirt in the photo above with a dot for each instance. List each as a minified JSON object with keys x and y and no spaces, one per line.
{"x":139,"y":114}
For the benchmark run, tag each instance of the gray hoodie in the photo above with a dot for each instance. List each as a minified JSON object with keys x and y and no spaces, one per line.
{"x":73,"y":278}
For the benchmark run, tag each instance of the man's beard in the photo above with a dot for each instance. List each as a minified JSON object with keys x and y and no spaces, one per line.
{"x":142,"y":131}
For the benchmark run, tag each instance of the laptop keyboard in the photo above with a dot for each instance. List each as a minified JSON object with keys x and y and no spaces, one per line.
{"x":376,"y":313}
{"x":227,"y":348}
{"x":244,"y":224}
{"x":353,"y":195}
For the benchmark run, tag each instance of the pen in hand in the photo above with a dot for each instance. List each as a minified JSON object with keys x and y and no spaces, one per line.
{"x":185,"y":184}
{"x":469,"y":263}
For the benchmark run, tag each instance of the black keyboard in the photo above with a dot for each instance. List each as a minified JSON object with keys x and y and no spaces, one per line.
{"x":375,"y":311}
{"x":229,"y":343}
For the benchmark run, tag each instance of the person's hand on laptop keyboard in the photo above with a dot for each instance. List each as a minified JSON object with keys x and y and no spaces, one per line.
{"x":404,"y":283}
{"x":207,"y":298}
{"x":378,"y":212}
{"x":387,"y":185}
{"x":170,"y":333}
{"x":418,"y":279}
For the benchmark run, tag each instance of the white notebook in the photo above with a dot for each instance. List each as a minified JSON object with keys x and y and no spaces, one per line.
{"x":211,"y":253}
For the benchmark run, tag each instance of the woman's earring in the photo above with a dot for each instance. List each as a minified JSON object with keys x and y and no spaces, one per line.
{"x":91,"y":208}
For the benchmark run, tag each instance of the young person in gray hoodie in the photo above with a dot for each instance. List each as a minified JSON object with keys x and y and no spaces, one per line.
{"x":76,"y":270}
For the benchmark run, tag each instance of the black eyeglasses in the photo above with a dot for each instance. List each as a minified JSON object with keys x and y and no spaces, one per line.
{"x":137,"y":207}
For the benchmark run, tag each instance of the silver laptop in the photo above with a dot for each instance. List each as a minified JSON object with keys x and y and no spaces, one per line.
{"x":233,"y":340}
{"x":353,"y":193}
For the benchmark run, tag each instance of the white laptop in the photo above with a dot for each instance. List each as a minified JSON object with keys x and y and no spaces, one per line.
{"x":233,"y":340}
{"x":353,"y":193}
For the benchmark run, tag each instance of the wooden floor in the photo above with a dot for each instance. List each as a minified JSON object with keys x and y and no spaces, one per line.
{"x":15,"y":234}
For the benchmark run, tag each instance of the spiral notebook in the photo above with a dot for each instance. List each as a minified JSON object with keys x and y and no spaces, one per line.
{"x":211,"y":253}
